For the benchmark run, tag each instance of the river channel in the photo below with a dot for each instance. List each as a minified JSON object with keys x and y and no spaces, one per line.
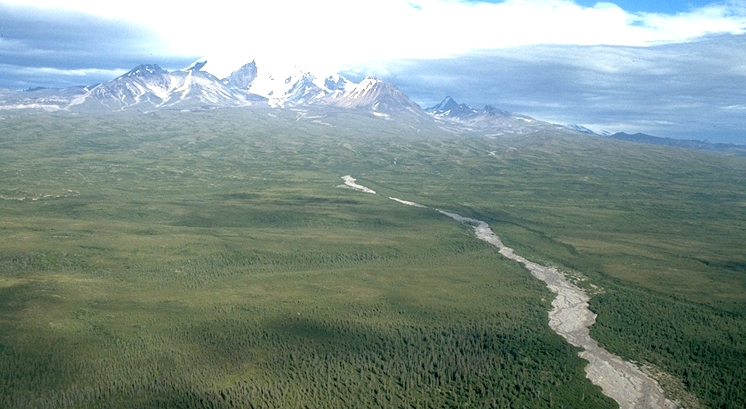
{"x":572,"y":318}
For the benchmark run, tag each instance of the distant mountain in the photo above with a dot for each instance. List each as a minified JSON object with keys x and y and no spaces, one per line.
{"x":451,"y":109}
{"x":381,"y":98}
{"x":490,"y":116}
{"x":681,"y":143}
{"x":450,"y":114}
{"x":46,"y":99}
{"x":581,"y":129}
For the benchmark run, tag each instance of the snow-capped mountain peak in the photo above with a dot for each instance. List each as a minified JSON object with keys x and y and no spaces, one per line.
{"x":447,"y":104}
{"x":197,"y":65}
{"x":364,"y":87}
{"x":450,"y":108}
{"x":450,"y":113}
{"x":380,"y":97}
{"x":490,"y":110}
{"x":336,"y":82}
{"x":580,"y":128}
{"x":296,"y":85}
{"x":243,"y":77}
{"x":149,"y":86}
{"x":143,"y":70}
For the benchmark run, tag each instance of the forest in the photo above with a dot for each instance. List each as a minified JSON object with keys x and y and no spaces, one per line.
{"x":211,"y":259}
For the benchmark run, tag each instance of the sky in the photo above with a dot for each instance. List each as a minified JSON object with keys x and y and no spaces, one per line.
{"x":667,"y":68}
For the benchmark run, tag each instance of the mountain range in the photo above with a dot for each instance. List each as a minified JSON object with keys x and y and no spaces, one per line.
{"x":450,"y":113}
{"x":149,"y":87}
{"x":679,"y":143}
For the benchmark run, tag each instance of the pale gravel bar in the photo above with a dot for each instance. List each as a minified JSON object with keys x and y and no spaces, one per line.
{"x":571,"y":318}
{"x":350,"y":182}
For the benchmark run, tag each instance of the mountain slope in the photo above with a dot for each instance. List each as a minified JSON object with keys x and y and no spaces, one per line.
{"x":149,"y":86}
{"x":289,"y":86}
{"x":46,"y":99}
{"x":380,"y":98}
{"x":243,"y":77}
{"x":450,"y":108}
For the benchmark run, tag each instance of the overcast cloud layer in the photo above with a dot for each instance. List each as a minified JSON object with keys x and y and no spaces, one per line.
{"x":678,"y":74}
{"x":694,"y":90}
{"x":62,"y":48}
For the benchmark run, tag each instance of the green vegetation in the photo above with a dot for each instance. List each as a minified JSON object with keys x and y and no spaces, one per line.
{"x":207,"y":259}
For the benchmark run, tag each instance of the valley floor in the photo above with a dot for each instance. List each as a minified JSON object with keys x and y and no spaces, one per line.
{"x":208,"y":259}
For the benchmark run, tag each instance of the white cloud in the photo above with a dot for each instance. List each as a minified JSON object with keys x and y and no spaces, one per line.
{"x":735,"y":107}
{"x":683,"y":90}
{"x":85,"y":73}
{"x":337,"y":33}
